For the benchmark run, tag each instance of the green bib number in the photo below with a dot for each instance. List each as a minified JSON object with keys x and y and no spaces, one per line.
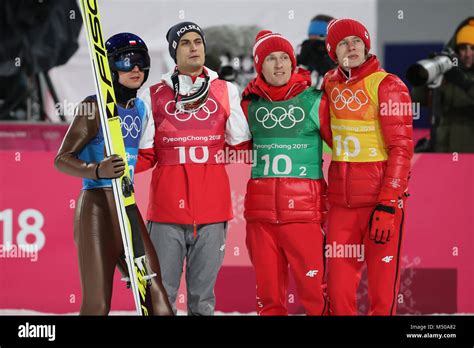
{"x":286,"y":140}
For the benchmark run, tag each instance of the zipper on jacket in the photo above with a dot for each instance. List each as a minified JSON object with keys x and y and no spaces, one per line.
{"x":195,"y":230}
{"x":276,"y":200}
{"x":346,"y":188}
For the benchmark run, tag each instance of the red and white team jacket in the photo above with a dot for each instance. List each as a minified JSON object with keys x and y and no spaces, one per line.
{"x":371,"y":123}
{"x":189,"y":185}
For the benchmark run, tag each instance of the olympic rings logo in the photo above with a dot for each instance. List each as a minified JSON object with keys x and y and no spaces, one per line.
{"x":285,"y":119}
{"x":346,"y":98}
{"x":131,"y":126}
{"x":185,"y":116}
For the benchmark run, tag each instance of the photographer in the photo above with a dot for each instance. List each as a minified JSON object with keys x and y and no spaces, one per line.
{"x":455,"y":130}
{"x":312,"y":52}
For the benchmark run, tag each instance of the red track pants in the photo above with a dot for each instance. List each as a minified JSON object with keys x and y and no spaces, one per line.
{"x":273,"y":248}
{"x":349,"y":226}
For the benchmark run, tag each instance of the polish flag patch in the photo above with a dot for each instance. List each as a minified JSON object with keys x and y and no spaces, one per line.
{"x":132,"y":42}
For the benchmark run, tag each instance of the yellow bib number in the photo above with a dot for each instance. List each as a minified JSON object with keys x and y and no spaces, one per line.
{"x":356,"y":141}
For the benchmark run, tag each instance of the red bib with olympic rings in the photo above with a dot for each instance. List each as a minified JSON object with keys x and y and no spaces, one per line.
{"x":189,"y":137}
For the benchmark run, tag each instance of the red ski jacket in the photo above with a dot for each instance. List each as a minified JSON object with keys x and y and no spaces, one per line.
{"x":371,"y":123}
{"x":189,"y":193}
{"x":267,"y":199}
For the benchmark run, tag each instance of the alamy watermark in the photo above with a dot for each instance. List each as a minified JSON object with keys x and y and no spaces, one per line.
{"x":336,"y":250}
{"x":70,"y":108}
{"x":394,"y":108}
{"x":23,"y":251}
{"x":28,"y":330}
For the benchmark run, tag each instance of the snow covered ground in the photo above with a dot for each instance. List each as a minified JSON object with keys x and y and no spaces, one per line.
{"x":30,"y":312}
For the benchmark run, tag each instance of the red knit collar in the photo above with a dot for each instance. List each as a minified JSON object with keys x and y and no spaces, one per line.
{"x":370,"y":66}
{"x":299,"y":81}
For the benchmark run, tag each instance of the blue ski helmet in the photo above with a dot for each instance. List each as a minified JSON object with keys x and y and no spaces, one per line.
{"x":124,"y":51}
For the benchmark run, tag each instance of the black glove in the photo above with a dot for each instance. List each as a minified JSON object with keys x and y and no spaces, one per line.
{"x":459,"y":78}
{"x":382,"y":224}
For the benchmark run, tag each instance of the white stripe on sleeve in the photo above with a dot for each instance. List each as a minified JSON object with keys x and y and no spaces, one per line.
{"x":148,"y":133}
{"x":237,"y":128}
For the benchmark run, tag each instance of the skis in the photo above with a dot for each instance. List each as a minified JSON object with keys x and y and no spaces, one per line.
{"x":127,"y":210}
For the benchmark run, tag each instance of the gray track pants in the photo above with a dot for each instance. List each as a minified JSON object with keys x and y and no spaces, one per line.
{"x":204,"y":255}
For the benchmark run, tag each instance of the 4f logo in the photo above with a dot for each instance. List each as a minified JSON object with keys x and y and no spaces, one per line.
{"x":395,"y":183}
{"x":387,"y":259}
{"x":312,"y":273}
